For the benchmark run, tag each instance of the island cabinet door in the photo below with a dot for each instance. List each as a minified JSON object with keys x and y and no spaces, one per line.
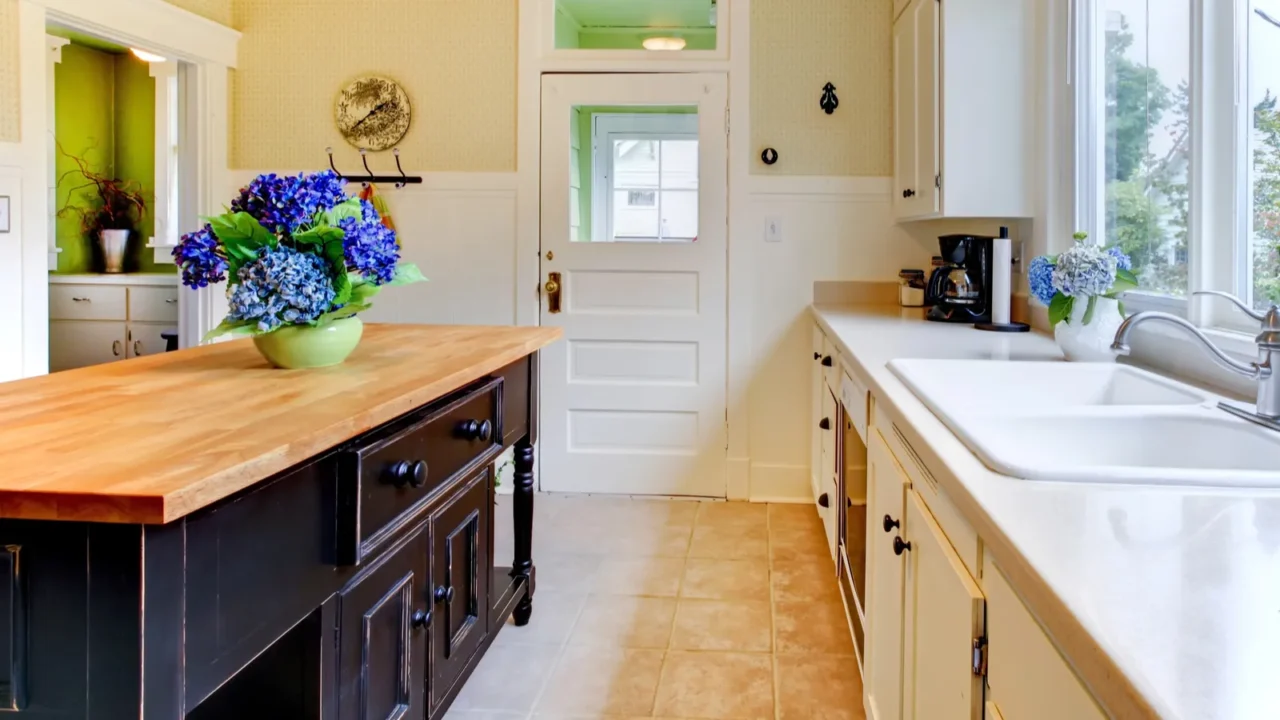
{"x":383,"y":616}
{"x":460,"y":576}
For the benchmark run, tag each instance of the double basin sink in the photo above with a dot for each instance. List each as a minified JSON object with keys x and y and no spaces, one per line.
{"x":1093,"y":422}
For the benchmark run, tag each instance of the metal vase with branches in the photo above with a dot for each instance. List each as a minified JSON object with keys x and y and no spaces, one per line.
{"x":114,"y":210}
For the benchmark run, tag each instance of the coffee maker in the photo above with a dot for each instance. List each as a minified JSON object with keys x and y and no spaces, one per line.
{"x":960,"y":289}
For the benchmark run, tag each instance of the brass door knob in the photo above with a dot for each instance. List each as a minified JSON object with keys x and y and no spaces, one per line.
{"x":552,"y":287}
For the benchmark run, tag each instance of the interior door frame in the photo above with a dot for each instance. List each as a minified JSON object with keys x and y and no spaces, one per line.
{"x":722,"y":78}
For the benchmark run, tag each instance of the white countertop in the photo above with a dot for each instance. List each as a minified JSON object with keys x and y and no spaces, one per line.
{"x":160,"y":279}
{"x":1166,"y":600}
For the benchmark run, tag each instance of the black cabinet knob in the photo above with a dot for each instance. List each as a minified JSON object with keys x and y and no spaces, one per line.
{"x":826,"y":361}
{"x":817,"y":356}
{"x":908,"y":193}
{"x":405,"y":473}
{"x":476,"y":430}
{"x":890,"y":524}
{"x":848,"y":502}
{"x":825,"y":423}
{"x":824,"y":501}
{"x":421,"y":618}
{"x":418,"y":474}
{"x":444,"y":594}
{"x":899,"y":546}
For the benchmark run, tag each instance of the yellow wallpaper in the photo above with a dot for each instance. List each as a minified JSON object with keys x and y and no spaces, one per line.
{"x":10,"y":122}
{"x":797,"y":46}
{"x":455,"y":58}
{"x":218,"y":11}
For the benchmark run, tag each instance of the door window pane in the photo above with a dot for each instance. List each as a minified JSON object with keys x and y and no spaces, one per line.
{"x":656,"y":25}
{"x":1147,"y":131}
{"x":1264,"y":151}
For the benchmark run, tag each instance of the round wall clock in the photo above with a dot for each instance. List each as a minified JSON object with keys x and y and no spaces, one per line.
{"x":373,"y":112}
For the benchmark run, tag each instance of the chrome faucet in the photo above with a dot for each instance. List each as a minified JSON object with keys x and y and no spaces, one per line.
{"x":1263,"y":370}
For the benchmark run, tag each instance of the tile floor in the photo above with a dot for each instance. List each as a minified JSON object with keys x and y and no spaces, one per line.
{"x":671,"y":609}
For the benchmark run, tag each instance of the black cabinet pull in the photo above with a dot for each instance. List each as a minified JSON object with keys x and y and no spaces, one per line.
{"x":418,"y":477}
{"x":908,"y":193}
{"x":825,"y":423}
{"x":421,"y":618}
{"x":444,"y":594}
{"x":826,"y":361}
{"x":899,"y":546}
{"x":407,"y":473}
{"x":848,"y":502}
{"x":474,"y":430}
{"x":824,"y":501}
{"x":817,"y":356}
{"x":890,"y":524}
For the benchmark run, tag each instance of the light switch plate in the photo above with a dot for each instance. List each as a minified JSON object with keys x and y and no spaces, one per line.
{"x":773,"y":229}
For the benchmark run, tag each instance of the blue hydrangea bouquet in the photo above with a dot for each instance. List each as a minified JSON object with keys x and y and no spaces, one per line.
{"x":302,"y":260}
{"x":1082,"y":288}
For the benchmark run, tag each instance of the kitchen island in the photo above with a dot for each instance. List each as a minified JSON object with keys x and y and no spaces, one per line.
{"x":197,"y":534}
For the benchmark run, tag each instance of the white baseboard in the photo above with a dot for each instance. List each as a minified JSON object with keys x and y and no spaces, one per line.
{"x":780,"y":483}
{"x":738,"y":472}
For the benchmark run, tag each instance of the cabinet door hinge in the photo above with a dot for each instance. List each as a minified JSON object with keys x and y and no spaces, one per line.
{"x":937,"y":181}
{"x":980,"y":656}
{"x":726,"y":121}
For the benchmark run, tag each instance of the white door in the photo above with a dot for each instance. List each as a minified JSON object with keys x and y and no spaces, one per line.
{"x":633,"y":401}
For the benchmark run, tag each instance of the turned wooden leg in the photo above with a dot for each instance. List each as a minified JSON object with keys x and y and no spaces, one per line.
{"x":523,"y":510}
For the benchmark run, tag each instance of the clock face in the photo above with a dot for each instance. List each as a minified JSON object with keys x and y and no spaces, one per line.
{"x":373,"y":112}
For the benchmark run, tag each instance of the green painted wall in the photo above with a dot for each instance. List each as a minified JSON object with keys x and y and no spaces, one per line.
{"x":104,"y":113}
{"x":585,"y":115}
{"x":634,"y":41}
{"x":566,"y":31}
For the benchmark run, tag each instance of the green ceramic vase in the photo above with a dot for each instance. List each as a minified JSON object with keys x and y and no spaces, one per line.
{"x":301,"y":346}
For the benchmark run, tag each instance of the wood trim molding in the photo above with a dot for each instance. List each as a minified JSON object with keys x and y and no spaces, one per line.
{"x":153,"y":24}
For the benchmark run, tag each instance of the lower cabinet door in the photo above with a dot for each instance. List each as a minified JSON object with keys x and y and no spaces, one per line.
{"x":81,"y":343}
{"x":885,"y":523}
{"x":945,"y":613}
{"x":383,"y":619}
{"x":146,"y":339}
{"x":460,"y":579}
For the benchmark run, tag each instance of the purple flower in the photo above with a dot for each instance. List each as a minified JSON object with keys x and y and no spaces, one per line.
{"x":200,"y":256}
{"x":284,"y":204}
{"x":370,"y":247}
{"x":1123,"y":261}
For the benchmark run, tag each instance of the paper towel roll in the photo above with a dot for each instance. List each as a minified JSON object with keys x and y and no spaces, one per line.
{"x":1001,"y":279}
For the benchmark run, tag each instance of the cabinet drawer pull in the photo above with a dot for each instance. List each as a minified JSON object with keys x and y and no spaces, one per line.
{"x":116,"y":346}
{"x":137,"y":347}
{"x":825,"y":423}
{"x":170,"y":301}
{"x":908,"y":193}
{"x":444,"y":594}
{"x":421,"y":618}
{"x":80,"y":299}
{"x":472,"y":430}
{"x":899,"y":546}
{"x":890,"y":524}
{"x":408,"y":473}
{"x":826,"y":361}
{"x":824,"y":501}
{"x":817,"y":356}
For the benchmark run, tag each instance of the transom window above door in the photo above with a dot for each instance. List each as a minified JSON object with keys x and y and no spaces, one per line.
{"x":635,"y":174}
{"x":660,"y":27}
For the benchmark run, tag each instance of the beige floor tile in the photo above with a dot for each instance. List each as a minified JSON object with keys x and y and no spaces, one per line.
{"x":638,"y":540}
{"x":725,"y":579}
{"x":729,"y":625}
{"x":554,"y":615}
{"x":629,"y":622}
{"x":811,"y":627}
{"x":716,"y":685}
{"x":652,"y":577}
{"x":508,"y":678}
{"x":483,"y":715}
{"x":603,"y":681}
{"x":565,"y":573}
{"x":729,"y":542}
{"x":819,"y":688}
{"x":732,"y":514}
{"x":805,"y":580}
{"x":788,"y":543}
{"x":793,"y":517}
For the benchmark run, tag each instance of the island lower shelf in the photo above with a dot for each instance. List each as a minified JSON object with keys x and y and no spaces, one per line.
{"x":359,"y":583}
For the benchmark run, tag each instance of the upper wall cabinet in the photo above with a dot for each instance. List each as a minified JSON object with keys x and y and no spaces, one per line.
{"x":964,"y":108}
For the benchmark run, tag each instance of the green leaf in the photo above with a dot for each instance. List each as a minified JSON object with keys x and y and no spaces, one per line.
{"x":1060,"y":308}
{"x":341,"y":313}
{"x":342,"y":289}
{"x":351,"y":208}
{"x":242,"y":235}
{"x":362,"y":290}
{"x":407,"y":274}
{"x":320,"y":235}
{"x":1120,"y":307}
{"x":232,"y":328}
{"x":333,"y":252}
{"x":1090,"y":308}
{"x":1127,"y":276}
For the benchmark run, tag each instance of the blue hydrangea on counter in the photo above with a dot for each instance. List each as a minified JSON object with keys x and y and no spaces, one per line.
{"x":1084,"y":272}
{"x":371,"y":248}
{"x":200,"y":257}
{"x":282,"y":286}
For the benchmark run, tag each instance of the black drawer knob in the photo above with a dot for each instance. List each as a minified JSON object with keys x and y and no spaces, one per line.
{"x":824,"y":501}
{"x":476,"y":430}
{"x":817,"y":356}
{"x":826,"y":361}
{"x":408,"y":473}
{"x":825,"y":423}
{"x":908,"y":193}
{"x":421,"y":618}
{"x":444,"y":594}
{"x":899,"y":546}
{"x":890,"y":524}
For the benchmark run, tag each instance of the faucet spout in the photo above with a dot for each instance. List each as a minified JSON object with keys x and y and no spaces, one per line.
{"x":1121,"y":344}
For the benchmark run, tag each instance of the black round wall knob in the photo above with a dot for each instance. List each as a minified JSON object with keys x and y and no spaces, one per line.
{"x":899,"y":546}
{"x":769,"y":156}
{"x":890,"y":524}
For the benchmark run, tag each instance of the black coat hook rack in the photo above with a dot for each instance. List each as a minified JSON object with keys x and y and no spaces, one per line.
{"x":400,"y":180}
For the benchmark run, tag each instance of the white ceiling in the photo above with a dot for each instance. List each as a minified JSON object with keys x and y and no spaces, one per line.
{"x":639,"y":13}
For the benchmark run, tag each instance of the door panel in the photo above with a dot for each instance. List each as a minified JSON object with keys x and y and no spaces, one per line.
{"x":926,"y":106}
{"x":904,"y":112}
{"x":883,"y":661}
{"x":945,"y":609}
{"x":459,"y":561}
{"x":634,"y":216}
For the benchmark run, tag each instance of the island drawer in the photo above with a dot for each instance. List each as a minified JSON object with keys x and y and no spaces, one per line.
{"x":387,"y":478}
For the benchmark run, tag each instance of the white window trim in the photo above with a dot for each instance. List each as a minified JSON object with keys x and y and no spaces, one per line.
{"x":165,"y":208}
{"x":548,"y":9}
{"x":604,"y":126}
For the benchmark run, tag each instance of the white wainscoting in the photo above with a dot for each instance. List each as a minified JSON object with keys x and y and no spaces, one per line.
{"x":836,"y":229}
{"x":460,"y":229}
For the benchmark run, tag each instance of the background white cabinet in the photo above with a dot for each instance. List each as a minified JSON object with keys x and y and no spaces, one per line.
{"x":883,"y":662}
{"x":80,"y":343}
{"x":964,"y":109}
{"x":97,"y":319}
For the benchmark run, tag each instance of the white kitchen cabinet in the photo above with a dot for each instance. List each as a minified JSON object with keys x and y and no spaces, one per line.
{"x":964,"y":109}
{"x":1027,"y":678}
{"x":829,"y":427}
{"x":899,"y":6}
{"x":882,"y":664}
{"x":80,"y":343}
{"x":145,"y":339}
{"x":943,"y":624}
{"x":96,"y":319}
{"x":815,"y":410}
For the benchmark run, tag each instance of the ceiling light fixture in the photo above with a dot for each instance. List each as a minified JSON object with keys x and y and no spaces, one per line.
{"x":145,"y":56}
{"x":664,"y":43}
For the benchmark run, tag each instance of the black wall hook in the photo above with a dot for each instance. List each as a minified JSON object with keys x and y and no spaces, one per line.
{"x":829,"y":101}
{"x":400,"y":180}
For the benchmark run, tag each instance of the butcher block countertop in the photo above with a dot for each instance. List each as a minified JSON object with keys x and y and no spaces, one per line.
{"x":154,"y":439}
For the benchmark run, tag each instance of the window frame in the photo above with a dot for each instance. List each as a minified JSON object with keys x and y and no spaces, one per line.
{"x":605,"y":128}
{"x":1219,"y":139}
